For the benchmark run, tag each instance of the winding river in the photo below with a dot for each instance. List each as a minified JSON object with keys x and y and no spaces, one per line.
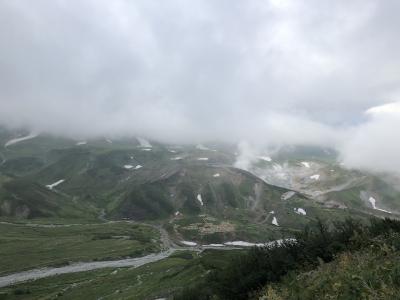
{"x":82,"y":267}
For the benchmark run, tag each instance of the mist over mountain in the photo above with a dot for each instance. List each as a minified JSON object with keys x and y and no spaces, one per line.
{"x":264,"y":72}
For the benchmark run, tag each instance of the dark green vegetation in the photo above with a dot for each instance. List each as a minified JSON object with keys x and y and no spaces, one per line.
{"x":155,"y":280}
{"x":315,"y":246}
{"x":371,"y":273}
{"x":22,"y":198}
{"x":26,"y":247}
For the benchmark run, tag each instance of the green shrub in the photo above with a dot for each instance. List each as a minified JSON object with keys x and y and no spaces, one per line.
{"x":316,"y":244}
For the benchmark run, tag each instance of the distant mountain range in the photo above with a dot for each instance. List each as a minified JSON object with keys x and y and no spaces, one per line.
{"x":197,"y":191}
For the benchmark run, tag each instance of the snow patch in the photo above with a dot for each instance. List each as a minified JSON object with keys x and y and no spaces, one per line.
{"x":177,"y":158}
{"x":300,"y":211}
{"x":216,"y":175}
{"x":215,"y":245}
{"x":306,"y":164}
{"x":202,"y":158}
{"x":188,"y":243}
{"x":200,"y":199}
{"x":386,"y":211}
{"x":132,"y":167}
{"x":240,"y":243}
{"x":265,"y":158}
{"x":315,"y":177}
{"x":81,"y":143}
{"x":51,"y":186}
{"x":267,"y":244}
{"x":24,"y":138}
{"x":275,"y":221}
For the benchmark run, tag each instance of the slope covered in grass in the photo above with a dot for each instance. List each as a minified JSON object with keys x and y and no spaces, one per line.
{"x":157,"y":280}
{"x":316,"y":246}
{"x":373,"y":273}
{"x":25,"y":199}
{"x":25,"y":247}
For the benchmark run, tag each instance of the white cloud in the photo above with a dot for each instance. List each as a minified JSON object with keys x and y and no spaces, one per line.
{"x":389,"y":108}
{"x":264,"y":71}
{"x":375,"y":145}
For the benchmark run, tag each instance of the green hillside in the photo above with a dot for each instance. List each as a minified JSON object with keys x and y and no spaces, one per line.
{"x":24,"y":199}
{"x":372,"y":273}
{"x":345,"y":260}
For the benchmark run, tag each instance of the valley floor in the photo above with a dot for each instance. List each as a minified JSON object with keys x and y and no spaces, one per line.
{"x":25,"y":247}
{"x":150,"y":281}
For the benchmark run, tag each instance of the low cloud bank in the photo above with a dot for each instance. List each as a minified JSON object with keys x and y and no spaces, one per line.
{"x":375,"y":144}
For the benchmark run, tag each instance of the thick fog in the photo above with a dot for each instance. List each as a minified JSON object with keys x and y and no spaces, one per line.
{"x":268,"y":72}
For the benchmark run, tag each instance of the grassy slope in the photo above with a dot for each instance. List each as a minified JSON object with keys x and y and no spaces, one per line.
{"x":23,"y":198}
{"x":23,"y":247}
{"x":291,"y":270}
{"x":159,"y":279}
{"x":373,"y":273}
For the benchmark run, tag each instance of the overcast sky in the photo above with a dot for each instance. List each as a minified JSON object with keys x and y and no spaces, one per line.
{"x":265,"y":71}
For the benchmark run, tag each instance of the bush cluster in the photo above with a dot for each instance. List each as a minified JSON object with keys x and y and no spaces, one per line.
{"x":317,"y":243}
